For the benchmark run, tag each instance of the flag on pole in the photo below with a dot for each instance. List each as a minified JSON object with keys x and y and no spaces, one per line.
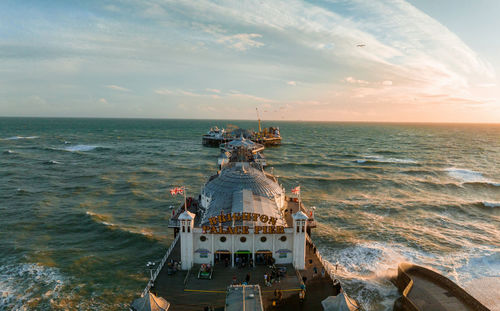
{"x":296,"y":190}
{"x":177,"y":190}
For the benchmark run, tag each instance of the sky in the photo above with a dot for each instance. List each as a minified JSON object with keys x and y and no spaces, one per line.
{"x":337,"y":60}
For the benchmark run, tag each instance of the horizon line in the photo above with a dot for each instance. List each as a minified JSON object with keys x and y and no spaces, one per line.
{"x":266,"y":120}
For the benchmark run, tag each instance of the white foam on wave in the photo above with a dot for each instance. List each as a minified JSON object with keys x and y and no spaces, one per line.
{"x":21,"y":137}
{"x":381,"y":159}
{"x":80,"y":148}
{"x":365,"y":268}
{"x":465,"y":175}
{"x":53,"y":162}
{"x":469,"y":176}
{"x":9,"y":152}
{"x":104,"y":220}
{"x":23,"y":284}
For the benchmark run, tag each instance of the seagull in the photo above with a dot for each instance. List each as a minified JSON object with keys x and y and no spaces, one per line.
{"x":361,"y":45}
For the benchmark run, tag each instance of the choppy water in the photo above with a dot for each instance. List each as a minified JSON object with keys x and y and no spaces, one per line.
{"x":84,"y":202}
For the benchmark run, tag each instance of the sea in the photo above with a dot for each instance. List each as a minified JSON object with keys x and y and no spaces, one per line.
{"x":84,"y":203}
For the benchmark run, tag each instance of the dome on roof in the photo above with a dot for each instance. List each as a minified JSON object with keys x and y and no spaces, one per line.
{"x":241,"y":142}
{"x":241,"y":187}
{"x":242,"y":177}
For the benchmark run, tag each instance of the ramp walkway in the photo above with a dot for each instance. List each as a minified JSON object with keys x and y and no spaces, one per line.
{"x":426,"y":290}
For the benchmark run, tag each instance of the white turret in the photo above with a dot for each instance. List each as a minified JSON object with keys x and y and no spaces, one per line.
{"x":299,"y":240}
{"x":186,"y":231}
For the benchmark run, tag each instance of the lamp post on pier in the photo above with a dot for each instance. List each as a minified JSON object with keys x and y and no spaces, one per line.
{"x":150,"y":266}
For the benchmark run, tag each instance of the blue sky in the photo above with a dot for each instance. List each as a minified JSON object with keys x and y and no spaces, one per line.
{"x":427,"y":61}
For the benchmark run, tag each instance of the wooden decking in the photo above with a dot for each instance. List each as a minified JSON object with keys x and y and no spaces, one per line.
{"x":187,"y":292}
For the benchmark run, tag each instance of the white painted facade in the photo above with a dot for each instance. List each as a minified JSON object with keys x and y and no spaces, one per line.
{"x":186,"y":239}
{"x":299,"y":240}
{"x":199,"y":248}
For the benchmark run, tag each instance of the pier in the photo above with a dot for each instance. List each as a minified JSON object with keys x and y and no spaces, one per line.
{"x":184,"y":291}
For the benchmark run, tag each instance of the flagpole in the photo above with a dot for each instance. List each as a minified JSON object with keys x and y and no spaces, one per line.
{"x":185,"y":200}
{"x":299,"y":197}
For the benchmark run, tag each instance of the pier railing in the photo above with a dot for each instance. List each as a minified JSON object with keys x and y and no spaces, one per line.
{"x":160,"y":266}
{"x":329,"y":268}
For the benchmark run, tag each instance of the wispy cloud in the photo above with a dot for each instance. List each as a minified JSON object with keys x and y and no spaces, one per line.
{"x":250,"y":97}
{"x":117,"y":88}
{"x":164,"y":92}
{"x":355,"y":81}
{"x":219,"y":94}
{"x":241,"y":41}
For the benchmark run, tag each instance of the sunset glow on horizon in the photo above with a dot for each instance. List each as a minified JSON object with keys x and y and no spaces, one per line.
{"x":394,"y":60}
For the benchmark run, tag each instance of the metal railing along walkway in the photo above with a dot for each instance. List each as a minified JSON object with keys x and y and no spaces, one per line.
{"x":160,"y":266}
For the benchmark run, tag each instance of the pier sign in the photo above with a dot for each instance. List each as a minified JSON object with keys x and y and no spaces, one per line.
{"x":242,"y":216}
{"x":243,"y":229}
{"x":217,"y":221}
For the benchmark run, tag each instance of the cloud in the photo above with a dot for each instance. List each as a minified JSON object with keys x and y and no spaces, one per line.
{"x":238,"y":41}
{"x":292,"y":83}
{"x":117,"y":88}
{"x":355,"y":81}
{"x":164,"y":92}
{"x":103,"y":101}
{"x":237,"y":94}
{"x":219,"y":94}
{"x":241,"y":41}
{"x":487,"y":85}
{"x":207,"y":108}
{"x":387,"y":82}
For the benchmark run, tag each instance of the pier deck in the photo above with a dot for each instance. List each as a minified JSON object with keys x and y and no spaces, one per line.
{"x":187,"y":292}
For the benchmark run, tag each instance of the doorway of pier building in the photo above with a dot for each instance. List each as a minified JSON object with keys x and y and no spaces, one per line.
{"x":242,"y":258}
{"x":264,"y":257}
{"x":222,"y":257}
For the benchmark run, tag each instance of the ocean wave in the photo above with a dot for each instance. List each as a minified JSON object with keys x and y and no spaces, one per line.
{"x":53,"y":162}
{"x":21,"y":137}
{"x":470,"y":177}
{"x":29,"y":285}
{"x":365,"y":268}
{"x":381,"y":159}
{"x":81,"y":148}
{"x":464,"y":175}
{"x":105,"y":220}
{"x":9,"y":152}
{"x":485,"y":183}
